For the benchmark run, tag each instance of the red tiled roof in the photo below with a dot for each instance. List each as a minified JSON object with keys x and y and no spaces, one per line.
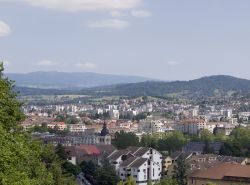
{"x":57,"y":123}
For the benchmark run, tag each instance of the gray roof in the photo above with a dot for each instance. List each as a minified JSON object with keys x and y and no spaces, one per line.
{"x":133,"y":149}
{"x":141,"y":151}
{"x":138,"y":162}
{"x":199,"y":146}
{"x":118,"y":154}
{"x":134,"y":162}
{"x":128,"y":162}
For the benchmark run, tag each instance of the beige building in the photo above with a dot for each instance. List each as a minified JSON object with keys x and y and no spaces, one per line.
{"x":222,"y":174}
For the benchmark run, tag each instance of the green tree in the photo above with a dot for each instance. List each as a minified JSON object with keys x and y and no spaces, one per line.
{"x":24,"y":161}
{"x":106,"y":175}
{"x":207,"y":149}
{"x":167,"y":182}
{"x":123,"y":140}
{"x":205,"y":135}
{"x":130,"y":181}
{"x":180,"y":171}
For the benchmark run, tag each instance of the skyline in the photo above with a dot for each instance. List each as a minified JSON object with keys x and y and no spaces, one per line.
{"x":156,"y":39}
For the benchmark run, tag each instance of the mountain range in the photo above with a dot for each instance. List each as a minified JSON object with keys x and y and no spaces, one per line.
{"x":63,"y":80}
{"x":220,"y":85}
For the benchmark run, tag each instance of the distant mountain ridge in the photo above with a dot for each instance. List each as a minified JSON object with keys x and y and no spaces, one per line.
{"x":64,"y":80}
{"x":205,"y":86}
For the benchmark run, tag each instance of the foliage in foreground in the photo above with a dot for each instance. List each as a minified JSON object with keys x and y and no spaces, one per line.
{"x":24,"y":161}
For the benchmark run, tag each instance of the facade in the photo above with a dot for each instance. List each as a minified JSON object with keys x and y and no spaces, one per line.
{"x":88,"y":137}
{"x":142,"y":163}
{"x":76,"y":127}
{"x":59,"y":125}
{"x":192,"y":126}
{"x":151,"y":126}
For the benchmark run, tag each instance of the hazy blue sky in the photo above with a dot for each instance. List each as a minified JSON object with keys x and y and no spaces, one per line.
{"x":163,"y":39}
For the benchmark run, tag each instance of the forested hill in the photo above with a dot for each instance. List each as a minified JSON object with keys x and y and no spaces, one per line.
{"x":206,"y":86}
{"x":69,"y":81}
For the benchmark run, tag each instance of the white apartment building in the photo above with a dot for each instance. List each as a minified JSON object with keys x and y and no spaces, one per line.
{"x":191,"y":126}
{"x":76,"y":127}
{"x":142,"y":163}
{"x":114,"y":114}
{"x":151,"y":126}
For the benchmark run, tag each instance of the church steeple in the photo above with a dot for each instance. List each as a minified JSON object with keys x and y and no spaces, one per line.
{"x":105,"y":130}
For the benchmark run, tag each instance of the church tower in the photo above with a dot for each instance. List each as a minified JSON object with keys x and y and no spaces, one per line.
{"x":104,"y":137}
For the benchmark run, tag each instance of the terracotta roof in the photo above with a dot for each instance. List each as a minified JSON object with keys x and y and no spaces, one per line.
{"x":106,"y":149}
{"x":57,"y":123}
{"x":222,"y":171}
{"x":82,"y":150}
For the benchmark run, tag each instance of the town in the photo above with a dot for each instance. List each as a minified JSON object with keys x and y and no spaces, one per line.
{"x":149,"y":138}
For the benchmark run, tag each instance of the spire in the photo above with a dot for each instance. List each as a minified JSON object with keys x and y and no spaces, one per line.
{"x":105,"y":130}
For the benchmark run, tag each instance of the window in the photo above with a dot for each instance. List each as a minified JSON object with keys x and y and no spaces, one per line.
{"x":138,"y":170}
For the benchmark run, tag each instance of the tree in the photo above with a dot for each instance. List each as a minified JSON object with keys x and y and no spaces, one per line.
{"x":167,"y":182}
{"x":207,"y":149}
{"x":106,"y":175}
{"x":211,"y":183}
{"x":130,"y":181}
{"x":205,"y":135}
{"x":173,"y":142}
{"x":180,"y":171}
{"x":123,"y":140}
{"x":24,"y":160}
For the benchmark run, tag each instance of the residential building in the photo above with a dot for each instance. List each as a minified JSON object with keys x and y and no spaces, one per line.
{"x":222,"y":174}
{"x":142,"y":163}
{"x":57,"y":125}
{"x":76,"y":127}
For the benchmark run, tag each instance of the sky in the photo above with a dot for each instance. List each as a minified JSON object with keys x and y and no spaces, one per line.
{"x":160,"y":39}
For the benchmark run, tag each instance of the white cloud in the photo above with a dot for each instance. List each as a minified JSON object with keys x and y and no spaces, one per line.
{"x":86,"y":65}
{"x":84,"y":5}
{"x":109,"y":23}
{"x":4,"y":29}
{"x":141,"y":13}
{"x":117,"y":14}
{"x":172,"y":63}
{"x":46,"y":63}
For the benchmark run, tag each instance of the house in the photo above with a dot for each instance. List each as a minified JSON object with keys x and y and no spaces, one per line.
{"x":76,"y":127}
{"x":77,"y":154}
{"x":136,"y":167}
{"x":142,"y":163}
{"x":222,"y":174}
{"x":57,"y":125}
